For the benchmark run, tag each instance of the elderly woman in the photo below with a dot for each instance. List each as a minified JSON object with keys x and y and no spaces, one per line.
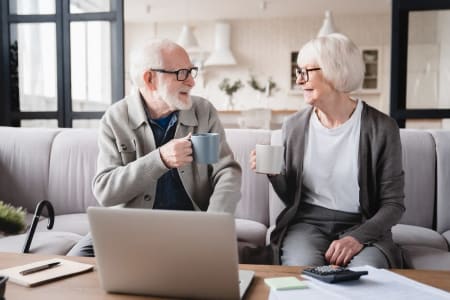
{"x":342,"y":180}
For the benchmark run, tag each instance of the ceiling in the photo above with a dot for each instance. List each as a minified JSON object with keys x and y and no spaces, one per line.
{"x":205,"y":10}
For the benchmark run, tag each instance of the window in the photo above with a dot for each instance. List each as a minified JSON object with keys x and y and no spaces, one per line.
{"x":61,"y":61}
{"x":294,"y":85}
{"x":90,"y":57}
{"x":33,"y":50}
{"x":371,"y":58}
{"x":420,"y":63}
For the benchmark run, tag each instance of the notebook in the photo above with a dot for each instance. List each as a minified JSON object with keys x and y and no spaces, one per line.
{"x":182,"y":254}
{"x":65,"y":268}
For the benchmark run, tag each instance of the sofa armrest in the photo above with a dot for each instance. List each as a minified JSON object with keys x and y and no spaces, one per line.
{"x":275,"y":203}
{"x":275,"y":206}
{"x":251,"y":232}
{"x":269,"y":232}
{"x":446,"y":235}
{"x":411,"y":235}
{"x":442,"y":142}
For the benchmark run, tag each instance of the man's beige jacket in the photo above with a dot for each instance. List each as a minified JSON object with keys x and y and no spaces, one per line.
{"x":129,"y":164}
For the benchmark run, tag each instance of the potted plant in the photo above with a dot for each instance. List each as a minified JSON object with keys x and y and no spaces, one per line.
{"x":266,"y":89}
{"x":230,"y":89}
{"x":12,"y":219}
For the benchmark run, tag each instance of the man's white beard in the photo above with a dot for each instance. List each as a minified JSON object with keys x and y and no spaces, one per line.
{"x":172,"y":98}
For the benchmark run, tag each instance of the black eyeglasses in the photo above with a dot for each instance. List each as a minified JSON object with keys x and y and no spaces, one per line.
{"x":182,"y":74}
{"x":303,"y":73}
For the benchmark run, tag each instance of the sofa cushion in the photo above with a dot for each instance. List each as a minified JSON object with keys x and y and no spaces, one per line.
{"x":410,"y":235}
{"x":72,"y":168}
{"x":251,"y":232}
{"x":446,"y":235}
{"x":420,"y":257}
{"x":254,"y":203}
{"x":49,"y":242}
{"x":419,"y":164}
{"x":24,"y":163}
{"x":76,"y":223}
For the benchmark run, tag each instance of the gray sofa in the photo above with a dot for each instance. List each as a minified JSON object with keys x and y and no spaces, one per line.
{"x":58,"y":165}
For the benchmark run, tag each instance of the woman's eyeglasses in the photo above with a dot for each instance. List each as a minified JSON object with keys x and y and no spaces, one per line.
{"x":303,"y":73}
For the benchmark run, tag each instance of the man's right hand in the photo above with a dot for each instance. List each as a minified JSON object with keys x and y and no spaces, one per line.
{"x":177,"y":152}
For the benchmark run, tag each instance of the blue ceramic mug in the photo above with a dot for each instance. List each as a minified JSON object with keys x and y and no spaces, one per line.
{"x":205,"y":147}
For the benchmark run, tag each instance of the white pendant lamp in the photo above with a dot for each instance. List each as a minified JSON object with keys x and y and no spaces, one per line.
{"x":222,"y":55}
{"x":187,"y":38}
{"x":328,"y":25}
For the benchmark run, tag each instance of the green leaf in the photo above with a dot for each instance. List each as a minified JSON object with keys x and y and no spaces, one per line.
{"x":12,"y":220}
{"x":228,"y":88}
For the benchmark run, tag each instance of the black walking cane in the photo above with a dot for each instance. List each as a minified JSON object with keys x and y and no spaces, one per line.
{"x":37,"y":214}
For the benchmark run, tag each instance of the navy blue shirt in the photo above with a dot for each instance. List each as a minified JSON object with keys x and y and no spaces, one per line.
{"x":170,"y":193}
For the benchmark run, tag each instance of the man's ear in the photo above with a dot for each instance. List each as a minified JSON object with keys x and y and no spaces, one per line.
{"x":149,"y":80}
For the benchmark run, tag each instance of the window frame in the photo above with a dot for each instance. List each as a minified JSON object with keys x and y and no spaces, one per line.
{"x":399,"y":58}
{"x":10,"y":114}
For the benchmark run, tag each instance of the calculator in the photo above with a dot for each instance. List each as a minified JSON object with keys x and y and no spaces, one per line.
{"x":333,"y":274}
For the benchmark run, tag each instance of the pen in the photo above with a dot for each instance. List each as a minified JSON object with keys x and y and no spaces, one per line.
{"x":40,"y":268}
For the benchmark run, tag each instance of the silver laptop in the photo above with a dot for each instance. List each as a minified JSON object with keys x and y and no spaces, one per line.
{"x":167,"y":253}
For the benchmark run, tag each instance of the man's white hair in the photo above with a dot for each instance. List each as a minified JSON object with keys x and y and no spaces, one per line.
{"x":339,"y":59}
{"x":148,"y":56}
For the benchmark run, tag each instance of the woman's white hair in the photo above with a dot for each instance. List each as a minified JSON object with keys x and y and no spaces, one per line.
{"x":339,"y":59}
{"x":148,"y":56}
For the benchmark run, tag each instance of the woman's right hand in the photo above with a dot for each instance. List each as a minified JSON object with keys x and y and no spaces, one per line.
{"x":253,"y":159}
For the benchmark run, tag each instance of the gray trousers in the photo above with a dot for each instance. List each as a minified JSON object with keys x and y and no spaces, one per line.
{"x":315,"y":227}
{"x":84,"y":247}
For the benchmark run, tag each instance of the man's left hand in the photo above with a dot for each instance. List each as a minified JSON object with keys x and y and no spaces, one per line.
{"x":342,"y":251}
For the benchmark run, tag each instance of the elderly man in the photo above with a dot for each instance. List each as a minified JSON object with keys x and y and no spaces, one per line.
{"x":145,"y":158}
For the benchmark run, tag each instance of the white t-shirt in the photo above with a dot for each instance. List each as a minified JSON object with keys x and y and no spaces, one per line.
{"x":330,"y":167}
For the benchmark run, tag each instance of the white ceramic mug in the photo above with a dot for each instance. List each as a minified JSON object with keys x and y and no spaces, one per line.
{"x":269,"y":159}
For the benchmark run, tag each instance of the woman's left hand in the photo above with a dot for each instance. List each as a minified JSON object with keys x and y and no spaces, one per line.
{"x":342,"y":251}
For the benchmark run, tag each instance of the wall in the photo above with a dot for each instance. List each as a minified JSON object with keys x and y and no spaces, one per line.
{"x":263,"y":47}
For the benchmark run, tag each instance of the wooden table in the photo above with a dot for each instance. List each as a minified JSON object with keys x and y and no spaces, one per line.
{"x":87,"y":286}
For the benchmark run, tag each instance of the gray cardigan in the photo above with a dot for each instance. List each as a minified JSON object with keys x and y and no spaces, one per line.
{"x":129,"y":164}
{"x":381,"y":182}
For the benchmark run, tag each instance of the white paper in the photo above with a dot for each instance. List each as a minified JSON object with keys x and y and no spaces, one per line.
{"x":308,"y":293}
{"x":378,"y":284}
